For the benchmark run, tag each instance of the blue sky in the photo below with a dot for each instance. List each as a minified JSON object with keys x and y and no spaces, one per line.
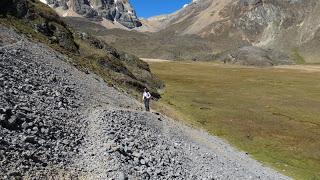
{"x":148,"y":8}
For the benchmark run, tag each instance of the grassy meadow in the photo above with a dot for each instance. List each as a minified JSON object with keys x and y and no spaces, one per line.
{"x":273,"y":114}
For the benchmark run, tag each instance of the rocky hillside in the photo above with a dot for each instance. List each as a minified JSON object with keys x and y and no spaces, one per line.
{"x":40,"y":23}
{"x":116,"y":11}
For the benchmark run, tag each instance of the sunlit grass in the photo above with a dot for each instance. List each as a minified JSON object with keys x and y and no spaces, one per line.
{"x":273,"y":114}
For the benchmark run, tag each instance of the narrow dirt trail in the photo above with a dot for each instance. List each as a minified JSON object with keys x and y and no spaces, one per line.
{"x":306,"y":68}
{"x":19,"y":43}
{"x":92,"y":156}
{"x":154,"y":60}
{"x":126,"y":143}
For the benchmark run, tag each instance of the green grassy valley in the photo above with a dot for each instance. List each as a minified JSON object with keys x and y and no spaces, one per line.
{"x":271,"y":113}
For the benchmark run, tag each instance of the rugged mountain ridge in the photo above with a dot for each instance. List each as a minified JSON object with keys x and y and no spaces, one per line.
{"x":119,"y":11}
{"x":251,"y":17}
{"x":277,"y":24}
{"x":218,"y":29}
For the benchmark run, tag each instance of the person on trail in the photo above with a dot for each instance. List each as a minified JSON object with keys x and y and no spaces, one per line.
{"x":146,"y":98}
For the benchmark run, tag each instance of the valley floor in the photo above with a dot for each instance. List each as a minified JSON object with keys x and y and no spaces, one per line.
{"x":308,"y":68}
{"x":271,"y":113}
{"x":95,"y":131}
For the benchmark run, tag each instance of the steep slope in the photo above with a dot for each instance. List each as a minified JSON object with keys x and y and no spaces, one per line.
{"x":40,"y":23}
{"x":197,"y":16}
{"x":251,"y":17}
{"x":116,"y":11}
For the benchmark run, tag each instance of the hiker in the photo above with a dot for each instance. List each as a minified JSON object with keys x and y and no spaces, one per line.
{"x":146,"y":98}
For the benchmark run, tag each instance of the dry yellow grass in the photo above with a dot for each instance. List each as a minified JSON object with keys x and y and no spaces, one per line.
{"x":271,"y":113}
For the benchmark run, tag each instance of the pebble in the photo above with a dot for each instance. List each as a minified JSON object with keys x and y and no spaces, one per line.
{"x":122,"y":176}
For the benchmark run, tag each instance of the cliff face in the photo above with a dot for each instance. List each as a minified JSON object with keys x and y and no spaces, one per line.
{"x":251,"y":17}
{"x":265,"y":21}
{"x":114,"y":10}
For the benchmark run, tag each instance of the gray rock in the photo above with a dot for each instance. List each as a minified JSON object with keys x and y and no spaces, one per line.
{"x":255,"y":56}
{"x":142,"y":161}
{"x":122,"y":176}
{"x":30,"y":139}
{"x":2,"y":117}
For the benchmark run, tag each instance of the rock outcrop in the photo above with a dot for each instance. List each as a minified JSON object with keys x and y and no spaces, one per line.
{"x":114,"y":10}
{"x":253,"y":18}
{"x":254,"y":56}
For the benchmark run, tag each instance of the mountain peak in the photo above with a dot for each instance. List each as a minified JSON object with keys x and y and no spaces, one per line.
{"x":119,"y":11}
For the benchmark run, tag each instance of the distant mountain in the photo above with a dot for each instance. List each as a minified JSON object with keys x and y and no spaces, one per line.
{"x":117,"y":11}
{"x":280,"y":24}
{"x":233,"y":31}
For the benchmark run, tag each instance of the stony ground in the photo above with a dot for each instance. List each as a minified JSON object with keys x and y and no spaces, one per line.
{"x":58,"y":122}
